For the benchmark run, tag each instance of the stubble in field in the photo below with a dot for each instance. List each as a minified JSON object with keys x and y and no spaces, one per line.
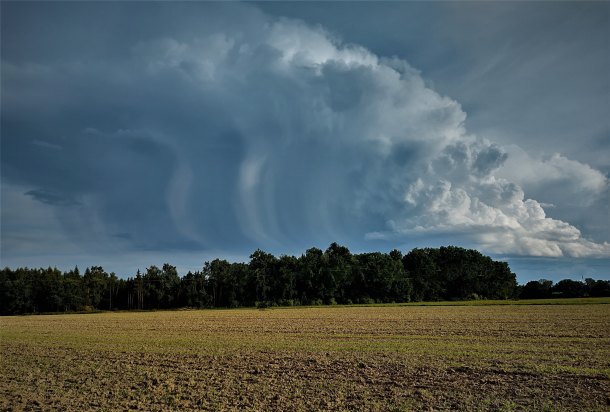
{"x":332,"y":358}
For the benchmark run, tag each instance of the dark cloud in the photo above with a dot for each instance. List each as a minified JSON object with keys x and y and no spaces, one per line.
{"x":51,"y":198}
{"x":536,"y":77}
{"x":214,"y":126}
{"x":489,"y":159}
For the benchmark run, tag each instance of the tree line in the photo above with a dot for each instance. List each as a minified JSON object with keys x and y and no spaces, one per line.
{"x":333,"y":276}
{"x":566,"y":288}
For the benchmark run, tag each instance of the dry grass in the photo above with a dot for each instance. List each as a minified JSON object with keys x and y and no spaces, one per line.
{"x":344,"y":358}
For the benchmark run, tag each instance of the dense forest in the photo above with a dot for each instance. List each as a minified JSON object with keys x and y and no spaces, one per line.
{"x":334,"y":276}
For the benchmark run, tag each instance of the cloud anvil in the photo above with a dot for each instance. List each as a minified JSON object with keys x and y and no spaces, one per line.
{"x":226,"y":127}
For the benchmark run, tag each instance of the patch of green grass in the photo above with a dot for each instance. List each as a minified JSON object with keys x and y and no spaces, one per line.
{"x":386,"y":357}
{"x":480,"y":302}
{"x":502,"y":302}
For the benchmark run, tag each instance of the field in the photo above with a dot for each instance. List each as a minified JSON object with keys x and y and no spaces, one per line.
{"x":469,"y":357}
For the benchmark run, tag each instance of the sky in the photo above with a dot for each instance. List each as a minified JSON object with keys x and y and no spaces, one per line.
{"x":138,"y":133}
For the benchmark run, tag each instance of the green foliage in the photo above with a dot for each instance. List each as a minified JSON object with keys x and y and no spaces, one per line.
{"x":453,"y":273}
{"x":333,"y":276}
{"x":537,"y":289}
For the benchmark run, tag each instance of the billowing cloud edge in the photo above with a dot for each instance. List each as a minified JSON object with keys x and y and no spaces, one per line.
{"x":392,"y":147}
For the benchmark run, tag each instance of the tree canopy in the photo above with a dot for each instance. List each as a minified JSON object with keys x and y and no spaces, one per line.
{"x":316,"y":277}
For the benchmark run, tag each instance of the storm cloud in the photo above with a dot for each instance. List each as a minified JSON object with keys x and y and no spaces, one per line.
{"x":261,"y":131}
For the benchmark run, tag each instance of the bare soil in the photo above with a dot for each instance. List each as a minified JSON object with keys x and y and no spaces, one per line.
{"x":175,"y":361}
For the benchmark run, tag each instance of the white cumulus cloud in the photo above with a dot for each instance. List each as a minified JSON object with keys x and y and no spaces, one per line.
{"x":279,"y":131}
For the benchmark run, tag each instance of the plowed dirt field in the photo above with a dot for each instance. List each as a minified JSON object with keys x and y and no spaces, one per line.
{"x":503,"y":358}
